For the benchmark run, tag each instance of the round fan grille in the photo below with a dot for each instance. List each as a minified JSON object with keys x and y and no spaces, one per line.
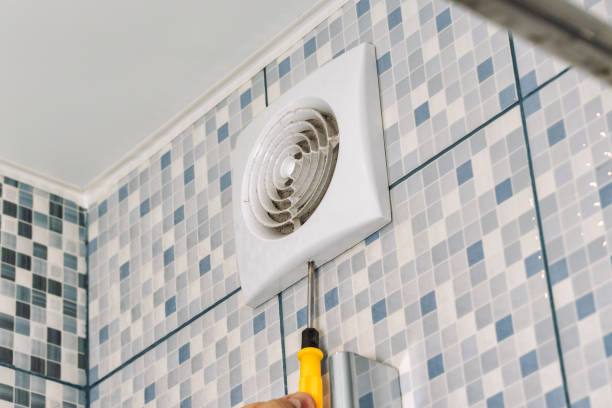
{"x":290,"y":168}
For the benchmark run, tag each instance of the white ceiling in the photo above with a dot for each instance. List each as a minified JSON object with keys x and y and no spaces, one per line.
{"x":82,"y":82}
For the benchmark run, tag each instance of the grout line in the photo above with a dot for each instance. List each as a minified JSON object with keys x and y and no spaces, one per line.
{"x":539,"y":217}
{"x":282,"y":333}
{"x":44,"y":377}
{"x":165,"y":337}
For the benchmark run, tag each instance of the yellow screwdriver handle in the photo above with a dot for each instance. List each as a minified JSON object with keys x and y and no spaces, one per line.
{"x":310,"y":373}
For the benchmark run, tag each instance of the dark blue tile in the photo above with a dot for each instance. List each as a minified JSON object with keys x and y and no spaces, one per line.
{"x":585,"y":306}
{"x":371,"y":238}
{"x":102,"y":208}
{"x":70,"y":261}
{"x":366,"y":401}
{"x":384,"y":63}
{"x":170,"y":306}
{"x":503,"y":191}
{"x":223,"y":132}
{"x":331,"y":299}
{"x":186,"y":403}
{"x":189,"y":175}
{"x":475,"y":253}
{"x":608,"y":344}
{"x":428,"y":303}
{"x":394,"y":18}
{"x":421,"y":114}
{"x":529,"y":82}
{"x":435,"y":366}
{"x":236,"y":395}
{"x":149,"y":393}
{"x":507,"y":96}
{"x":504,"y":328}
{"x":605,"y":196}
{"x":226,"y":180}
{"x":310,"y":47}
{"x":583,"y":403}
{"x":145,"y":207}
{"x":464,"y":172}
{"x":103,"y":334}
{"x":166,"y":159}
{"x":94,"y":394}
{"x":259,"y":322}
{"x":556,"y":133}
{"x":555,"y":398}
{"x":204,"y":265}
{"x":302,"y":317}
{"x":362,"y":7}
{"x":124,"y":271}
{"x":558,"y":271}
{"x":534,"y":264}
{"x":284,"y":67}
{"x":379,"y":311}
{"x":245,"y":98}
{"x":184,"y":353}
{"x":168,"y":256}
{"x":496,"y":401}
{"x":443,"y":20}
{"x":485,"y":69}
{"x":532,"y":104}
{"x":529,"y":363}
{"x":179,"y":214}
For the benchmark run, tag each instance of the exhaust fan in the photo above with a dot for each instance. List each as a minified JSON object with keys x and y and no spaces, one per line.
{"x":310,"y":175}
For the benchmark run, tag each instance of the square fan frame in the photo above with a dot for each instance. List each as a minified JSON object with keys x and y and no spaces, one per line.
{"x":356,"y":203}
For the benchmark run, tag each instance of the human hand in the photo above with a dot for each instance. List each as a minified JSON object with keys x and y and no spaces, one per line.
{"x":297,"y":400}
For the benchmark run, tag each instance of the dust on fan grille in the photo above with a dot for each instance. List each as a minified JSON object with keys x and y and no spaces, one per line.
{"x":290,"y":169}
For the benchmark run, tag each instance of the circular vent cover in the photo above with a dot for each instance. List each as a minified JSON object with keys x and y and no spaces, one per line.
{"x":289,"y":170}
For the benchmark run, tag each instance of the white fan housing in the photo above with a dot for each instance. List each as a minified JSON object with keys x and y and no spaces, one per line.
{"x":310,"y":177}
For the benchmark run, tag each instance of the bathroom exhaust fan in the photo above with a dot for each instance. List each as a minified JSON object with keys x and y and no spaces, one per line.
{"x":310,"y":175}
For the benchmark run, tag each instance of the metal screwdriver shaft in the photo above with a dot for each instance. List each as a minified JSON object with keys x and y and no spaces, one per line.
{"x":310,"y":302}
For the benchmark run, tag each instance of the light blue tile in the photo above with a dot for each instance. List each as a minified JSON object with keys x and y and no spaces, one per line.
{"x":529,"y":363}
{"x":555,"y":398}
{"x":558,"y":271}
{"x":585,"y":306}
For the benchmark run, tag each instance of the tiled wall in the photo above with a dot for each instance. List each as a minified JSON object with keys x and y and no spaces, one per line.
{"x":491,"y":287}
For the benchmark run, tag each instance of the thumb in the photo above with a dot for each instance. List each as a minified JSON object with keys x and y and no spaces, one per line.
{"x":301,"y":400}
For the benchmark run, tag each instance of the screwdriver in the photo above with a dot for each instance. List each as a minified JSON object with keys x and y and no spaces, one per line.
{"x":310,"y":355}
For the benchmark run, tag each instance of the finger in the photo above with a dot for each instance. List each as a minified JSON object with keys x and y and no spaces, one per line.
{"x":301,"y":400}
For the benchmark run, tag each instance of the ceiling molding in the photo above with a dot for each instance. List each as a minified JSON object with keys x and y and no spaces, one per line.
{"x":288,"y":37}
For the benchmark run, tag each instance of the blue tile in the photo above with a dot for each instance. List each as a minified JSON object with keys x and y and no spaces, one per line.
{"x":534,"y":264}
{"x":485,"y":69}
{"x":236,"y":395}
{"x":443,"y":20}
{"x":94,"y":393}
{"x":123,"y":192}
{"x":149,"y":393}
{"x":435,"y":366}
{"x":284,"y":67}
{"x":223,"y":132}
{"x":464,"y":172}
{"x":145,"y":207}
{"x":608,"y":344}
{"x":529,"y":363}
{"x":503,"y":191}
{"x":504,"y":328}
{"x":331,"y":299}
{"x":226,"y":180}
{"x":124,"y":271}
{"x":384,"y":63}
{"x":93,"y":374}
{"x":475,"y":253}
{"x":372,"y":238}
{"x":103,"y":334}
{"x":170,"y":306}
{"x":39,"y":251}
{"x":532,"y":104}
{"x":585,"y":306}
{"x":102,"y":208}
{"x":529,"y":82}
{"x":379,"y":311}
{"x":245,"y":98}
{"x":186,"y":403}
{"x":558,"y":271}
{"x":179,"y":214}
{"x":310,"y":47}
{"x":428,"y":303}
{"x":302,"y":317}
{"x":583,"y":403}
{"x":556,"y":133}
{"x":184,"y":353}
{"x":168,"y":256}
{"x":605,"y":196}
{"x":366,"y":401}
{"x":189,"y":175}
{"x":507,"y":96}
{"x":70,"y":261}
{"x":204,"y":265}
{"x":555,"y":398}
{"x":259,"y":322}
{"x":496,"y":401}
{"x":394,"y":18}
{"x":362,"y":7}
{"x":421,"y":114}
{"x":166,"y":159}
